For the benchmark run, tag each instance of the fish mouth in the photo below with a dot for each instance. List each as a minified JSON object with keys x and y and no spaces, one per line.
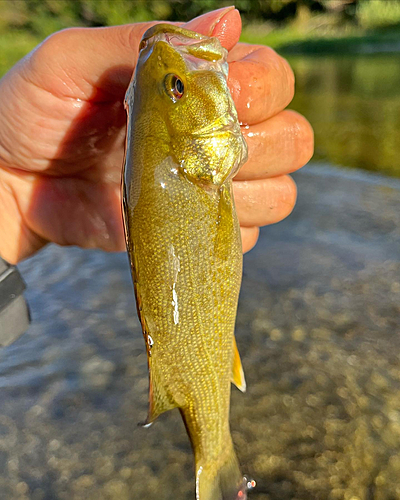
{"x":193,"y":44}
{"x":198,"y":51}
{"x":224,"y":123}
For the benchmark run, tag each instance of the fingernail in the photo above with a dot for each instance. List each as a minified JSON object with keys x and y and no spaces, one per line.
{"x":207,"y":23}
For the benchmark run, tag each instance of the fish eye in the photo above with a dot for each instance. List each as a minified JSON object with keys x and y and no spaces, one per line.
{"x":179,"y":86}
{"x":174,"y":87}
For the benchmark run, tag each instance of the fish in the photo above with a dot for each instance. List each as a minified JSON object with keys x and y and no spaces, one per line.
{"x":183,"y":147}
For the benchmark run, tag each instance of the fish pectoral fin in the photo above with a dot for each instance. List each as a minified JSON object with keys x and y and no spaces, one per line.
{"x":159,"y":400}
{"x":225,"y":222}
{"x":237,"y":371}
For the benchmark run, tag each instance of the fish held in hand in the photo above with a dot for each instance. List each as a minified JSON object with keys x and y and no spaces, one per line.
{"x":183,"y":147}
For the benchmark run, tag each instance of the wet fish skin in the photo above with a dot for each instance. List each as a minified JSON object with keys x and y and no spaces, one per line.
{"x":183,"y":239}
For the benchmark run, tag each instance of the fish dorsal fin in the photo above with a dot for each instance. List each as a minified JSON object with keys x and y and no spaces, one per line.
{"x":237,"y":372}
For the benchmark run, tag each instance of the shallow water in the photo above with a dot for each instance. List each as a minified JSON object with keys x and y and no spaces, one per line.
{"x":353,"y":103}
{"x":318,"y":329}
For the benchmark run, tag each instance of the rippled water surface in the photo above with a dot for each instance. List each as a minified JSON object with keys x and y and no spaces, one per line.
{"x":318,"y":328}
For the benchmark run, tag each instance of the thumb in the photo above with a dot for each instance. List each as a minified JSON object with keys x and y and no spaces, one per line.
{"x":97,"y":63}
{"x":223,"y":23}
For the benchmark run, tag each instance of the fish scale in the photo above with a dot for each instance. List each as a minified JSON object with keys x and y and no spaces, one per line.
{"x":183,"y":238}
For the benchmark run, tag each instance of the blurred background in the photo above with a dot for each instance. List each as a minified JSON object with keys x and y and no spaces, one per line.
{"x":345,"y":54}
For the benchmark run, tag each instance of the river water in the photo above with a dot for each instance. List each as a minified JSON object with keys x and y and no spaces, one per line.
{"x":317,"y":327}
{"x":318,"y":330}
{"x":353,"y":103}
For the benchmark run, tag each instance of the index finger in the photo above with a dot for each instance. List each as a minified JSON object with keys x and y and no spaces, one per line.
{"x":261,"y":82}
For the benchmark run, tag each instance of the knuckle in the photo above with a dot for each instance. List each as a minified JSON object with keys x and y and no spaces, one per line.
{"x":49,"y":50}
{"x":249,"y":237}
{"x":302,"y":137}
{"x":131,"y":34}
{"x":306,"y":141}
{"x":283,"y":70}
{"x":309,"y":140}
{"x":284,"y":196}
{"x":58,"y":39}
{"x":289,"y":198}
{"x":285,"y":79}
{"x":292,"y":189}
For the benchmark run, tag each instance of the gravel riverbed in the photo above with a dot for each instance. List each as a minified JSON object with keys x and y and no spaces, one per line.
{"x":318,"y":329}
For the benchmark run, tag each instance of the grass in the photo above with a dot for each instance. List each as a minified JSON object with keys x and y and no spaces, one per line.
{"x":14,"y":46}
{"x":315,"y":35}
{"x":376,"y":28}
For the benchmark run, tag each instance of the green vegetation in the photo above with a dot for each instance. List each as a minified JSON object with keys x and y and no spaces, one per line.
{"x":290,"y":25}
{"x":374,"y":26}
{"x":290,"y":40}
{"x":14,"y":46}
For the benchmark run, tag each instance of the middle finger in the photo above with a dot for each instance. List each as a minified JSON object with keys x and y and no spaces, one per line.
{"x":278,"y":146}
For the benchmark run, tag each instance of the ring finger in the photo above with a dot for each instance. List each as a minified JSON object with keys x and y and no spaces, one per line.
{"x":264,"y":201}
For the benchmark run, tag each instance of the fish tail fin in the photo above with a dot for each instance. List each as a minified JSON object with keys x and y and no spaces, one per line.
{"x":221,"y":481}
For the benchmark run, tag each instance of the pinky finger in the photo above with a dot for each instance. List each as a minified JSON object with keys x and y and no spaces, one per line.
{"x":249,"y":237}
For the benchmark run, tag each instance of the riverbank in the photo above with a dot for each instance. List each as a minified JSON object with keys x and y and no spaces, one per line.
{"x":313,"y":38}
{"x":318,"y":39}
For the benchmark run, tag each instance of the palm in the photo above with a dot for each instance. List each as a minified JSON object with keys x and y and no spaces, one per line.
{"x":62,"y":130}
{"x":65,"y":171}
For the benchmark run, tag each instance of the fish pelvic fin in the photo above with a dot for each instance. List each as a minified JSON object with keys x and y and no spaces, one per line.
{"x":159,"y":402}
{"x":220,"y":481}
{"x":160,"y":399}
{"x":237,"y":371}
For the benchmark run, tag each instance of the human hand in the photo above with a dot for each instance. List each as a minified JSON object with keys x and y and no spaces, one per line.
{"x":62,"y":130}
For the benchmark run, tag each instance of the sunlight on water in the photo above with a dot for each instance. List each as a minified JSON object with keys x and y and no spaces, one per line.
{"x":353,"y":103}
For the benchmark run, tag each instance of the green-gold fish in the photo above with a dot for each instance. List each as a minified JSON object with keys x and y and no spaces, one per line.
{"x":183,"y":147}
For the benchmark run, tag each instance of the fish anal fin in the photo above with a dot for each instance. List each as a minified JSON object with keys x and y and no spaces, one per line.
{"x":237,"y":370}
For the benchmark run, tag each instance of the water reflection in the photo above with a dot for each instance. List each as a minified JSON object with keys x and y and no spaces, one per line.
{"x":353,"y":103}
